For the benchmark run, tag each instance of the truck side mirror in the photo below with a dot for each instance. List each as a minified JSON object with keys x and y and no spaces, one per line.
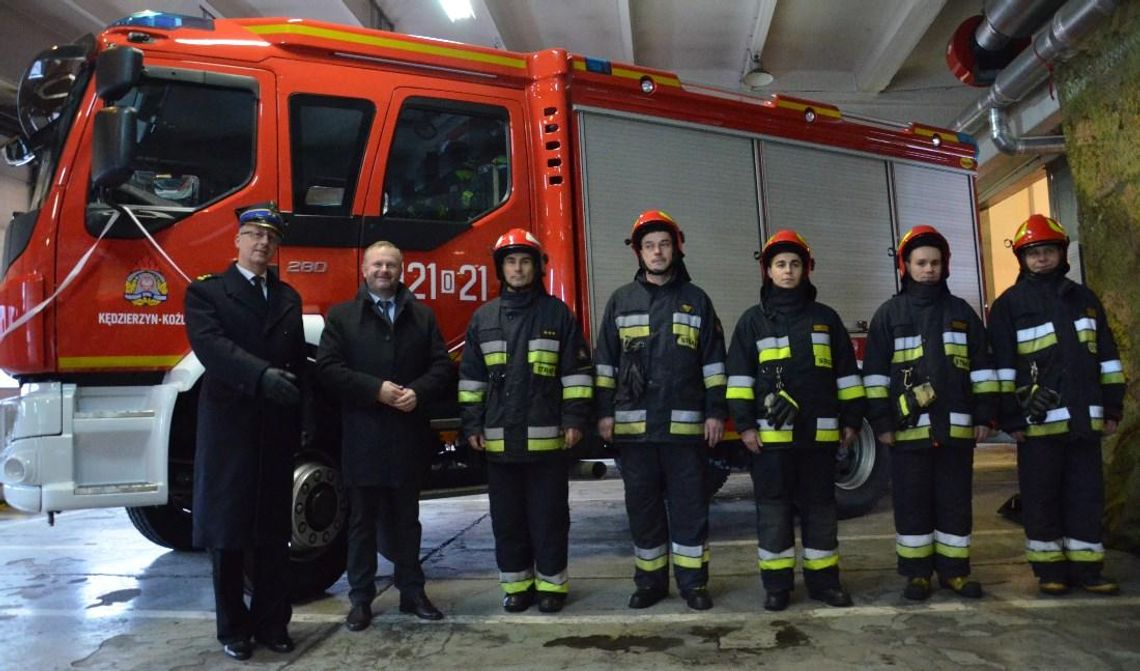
{"x":113,"y":146}
{"x":117,"y":70}
{"x":17,"y":152}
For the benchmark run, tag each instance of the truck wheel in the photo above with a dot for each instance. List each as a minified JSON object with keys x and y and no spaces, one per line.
{"x":716,"y":474}
{"x":862,"y":475}
{"x":318,"y":549}
{"x":169,"y":525}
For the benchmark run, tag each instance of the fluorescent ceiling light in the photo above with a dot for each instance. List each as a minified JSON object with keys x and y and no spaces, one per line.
{"x":457,"y":10}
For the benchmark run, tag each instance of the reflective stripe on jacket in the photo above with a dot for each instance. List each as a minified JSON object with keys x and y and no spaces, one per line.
{"x":810,"y":352}
{"x":942,"y":342}
{"x":1059,"y":328}
{"x":672,"y":336}
{"x":525,"y":376}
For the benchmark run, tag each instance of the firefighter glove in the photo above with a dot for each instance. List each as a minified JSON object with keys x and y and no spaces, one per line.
{"x":781,"y":409}
{"x":1036,"y":401}
{"x":631,"y":376}
{"x":280,"y":386}
{"x":911,"y":402}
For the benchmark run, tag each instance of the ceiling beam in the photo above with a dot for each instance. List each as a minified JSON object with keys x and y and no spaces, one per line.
{"x":625,"y":26}
{"x":901,"y":33}
{"x":765,"y":10}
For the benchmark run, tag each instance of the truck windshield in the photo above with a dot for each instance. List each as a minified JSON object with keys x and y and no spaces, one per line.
{"x":194,"y":144}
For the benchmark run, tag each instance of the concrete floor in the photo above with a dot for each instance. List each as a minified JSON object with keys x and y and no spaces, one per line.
{"x":92,"y":594}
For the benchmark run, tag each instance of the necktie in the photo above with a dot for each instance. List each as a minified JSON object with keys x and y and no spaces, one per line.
{"x":259,"y":283}
{"x":385,"y":308}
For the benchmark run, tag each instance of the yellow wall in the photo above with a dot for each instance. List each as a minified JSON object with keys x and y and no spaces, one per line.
{"x":999,"y":222}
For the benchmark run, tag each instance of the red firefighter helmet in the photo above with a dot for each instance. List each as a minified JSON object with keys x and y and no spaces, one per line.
{"x":1040,"y":230}
{"x":923,"y":236}
{"x":517,"y":240}
{"x":786,"y":240}
{"x":655,"y":220}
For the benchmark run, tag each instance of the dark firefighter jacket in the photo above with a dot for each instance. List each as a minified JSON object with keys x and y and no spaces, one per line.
{"x":525,"y":376}
{"x":660,"y":361}
{"x":788,"y":341}
{"x":926,"y":334}
{"x":1053,"y":332}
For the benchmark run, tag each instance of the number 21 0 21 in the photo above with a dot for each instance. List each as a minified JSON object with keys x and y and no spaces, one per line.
{"x":427,"y":281}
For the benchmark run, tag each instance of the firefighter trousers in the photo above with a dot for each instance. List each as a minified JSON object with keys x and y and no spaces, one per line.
{"x":787,"y":482}
{"x":932,"y":490}
{"x":530,"y":516}
{"x":1062,"y":496}
{"x":665,"y":500}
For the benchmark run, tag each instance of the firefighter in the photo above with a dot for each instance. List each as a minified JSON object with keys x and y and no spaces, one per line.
{"x":660,"y":382}
{"x":795,"y":393}
{"x":932,"y":395}
{"x":1064,"y":383}
{"x":525,"y":391}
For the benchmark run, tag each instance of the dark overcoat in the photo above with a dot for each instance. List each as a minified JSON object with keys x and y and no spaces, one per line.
{"x":380,"y":445}
{"x":243,"y":462}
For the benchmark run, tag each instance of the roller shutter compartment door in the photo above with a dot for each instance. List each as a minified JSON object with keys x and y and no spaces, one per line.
{"x":841,"y":204}
{"x":943,"y":199}
{"x":704,"y":179}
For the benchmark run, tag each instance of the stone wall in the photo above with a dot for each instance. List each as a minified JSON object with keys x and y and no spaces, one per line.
{"x":1100,"y":106}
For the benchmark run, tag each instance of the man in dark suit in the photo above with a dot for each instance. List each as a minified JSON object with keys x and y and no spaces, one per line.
{"x":245,"y":327}
{"x":383,"y":357}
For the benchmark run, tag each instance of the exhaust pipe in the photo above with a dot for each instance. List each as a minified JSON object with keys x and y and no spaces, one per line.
{"x":588,"y":470}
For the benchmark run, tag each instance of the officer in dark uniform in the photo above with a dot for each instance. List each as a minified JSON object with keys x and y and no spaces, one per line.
{"x":245,"y":327}
{"x":525,"y":389}
{"x":932,"y":395}
{"x":661,"y":385}
{"x":1064,"y":384}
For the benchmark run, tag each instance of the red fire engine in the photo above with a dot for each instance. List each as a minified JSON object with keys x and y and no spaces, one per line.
{"x":149,"y":136}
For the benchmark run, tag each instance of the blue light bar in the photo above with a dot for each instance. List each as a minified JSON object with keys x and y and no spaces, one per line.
{"x":599,"y":66}
{"x":165,"y":21}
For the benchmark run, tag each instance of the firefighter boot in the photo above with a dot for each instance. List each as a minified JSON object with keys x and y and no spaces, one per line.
{"x":917,"y":589}
{"x":1099,"y":584}
{"x":551,"y":602}
{"x":644,"y":598}
{"x":518,"y":601}
{"x":1053,"y":587}
{"x":777,"y":600}
{"x":698,"y":598}
{"x":836,"y":597}
{"x":962,"y":586}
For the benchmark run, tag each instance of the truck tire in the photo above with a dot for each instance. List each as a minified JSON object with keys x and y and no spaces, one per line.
{"x":318,"y":549}
{"x":169,"y":525}
{"x":716,"y":474}
{"x":862,"y":475}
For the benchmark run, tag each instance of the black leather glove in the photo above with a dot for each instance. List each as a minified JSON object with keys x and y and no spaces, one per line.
{"x":279,"y":386}
{"x":781,"y":409}
{"x":1036,"y":401}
